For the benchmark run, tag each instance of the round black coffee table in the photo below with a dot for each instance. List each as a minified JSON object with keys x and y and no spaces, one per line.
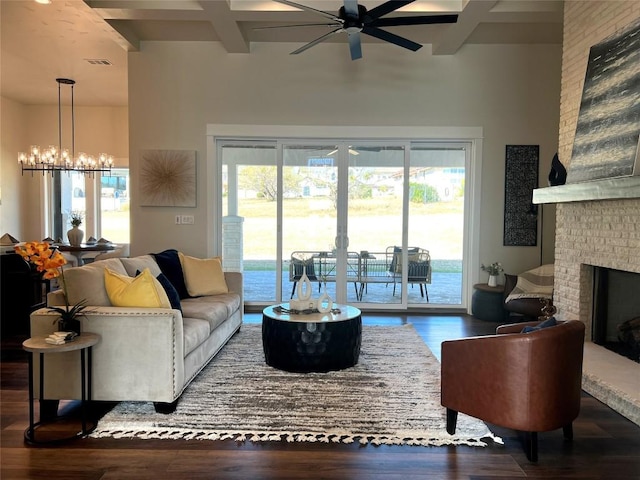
{"x":315,"y":342}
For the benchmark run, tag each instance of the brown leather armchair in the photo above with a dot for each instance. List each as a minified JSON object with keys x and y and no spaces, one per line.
{"x":529,"y":382}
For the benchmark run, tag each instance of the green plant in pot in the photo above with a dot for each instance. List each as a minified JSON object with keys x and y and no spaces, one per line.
{"x":49,"y":262}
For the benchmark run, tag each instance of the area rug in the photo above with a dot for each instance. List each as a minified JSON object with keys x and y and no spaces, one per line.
{"x":392,"y":397}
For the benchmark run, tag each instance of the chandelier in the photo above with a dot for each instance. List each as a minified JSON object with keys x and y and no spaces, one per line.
{"x":54,"y":159}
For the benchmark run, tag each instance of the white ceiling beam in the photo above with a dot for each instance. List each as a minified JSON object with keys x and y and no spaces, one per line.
{"x":456,"y":34}
{"x":228,"y":30}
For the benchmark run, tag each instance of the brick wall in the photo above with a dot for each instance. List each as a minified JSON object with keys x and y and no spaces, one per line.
{"x":603,"y":233}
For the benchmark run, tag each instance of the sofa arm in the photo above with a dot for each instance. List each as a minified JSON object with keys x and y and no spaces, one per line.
{"x":55,"y":298}
{"x":234,"y":283}
{"x":140,"y":356}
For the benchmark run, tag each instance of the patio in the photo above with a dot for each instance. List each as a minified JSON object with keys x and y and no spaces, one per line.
{"x":445,"y":288}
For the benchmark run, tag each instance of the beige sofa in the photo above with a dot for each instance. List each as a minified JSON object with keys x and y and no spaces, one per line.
{"x":145,"y":354}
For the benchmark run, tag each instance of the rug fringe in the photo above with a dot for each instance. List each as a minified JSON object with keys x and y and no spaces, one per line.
{"x":257,"y":437}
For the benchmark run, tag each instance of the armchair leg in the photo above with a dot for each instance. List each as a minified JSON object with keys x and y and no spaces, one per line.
{"x":531,"y":446}
{"x":567,"y":430}
{"x":452,"y":420}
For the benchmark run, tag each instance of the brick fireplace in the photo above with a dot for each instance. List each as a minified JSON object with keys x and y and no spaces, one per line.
{"x":594,"y":230}
{"x":606,"y":234}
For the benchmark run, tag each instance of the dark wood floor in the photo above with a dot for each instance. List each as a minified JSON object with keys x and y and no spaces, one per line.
{"x":605,"y":444}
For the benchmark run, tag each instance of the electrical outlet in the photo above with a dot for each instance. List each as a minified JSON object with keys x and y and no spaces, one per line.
{"x":188,"y":220}
{"x":178,"y":220}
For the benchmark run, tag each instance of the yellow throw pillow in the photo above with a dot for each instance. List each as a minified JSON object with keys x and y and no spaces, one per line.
{"x":141,"y":291}
{"x":203,"y":276}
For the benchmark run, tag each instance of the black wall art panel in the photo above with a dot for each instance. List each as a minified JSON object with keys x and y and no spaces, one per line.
{"x":521,"y":177}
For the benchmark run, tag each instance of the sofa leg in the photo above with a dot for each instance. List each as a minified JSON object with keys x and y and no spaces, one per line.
{"x":567,"y":430}
{"x":164,"y":407}
{"x":531,"y":446}
{"x":452,"y":420}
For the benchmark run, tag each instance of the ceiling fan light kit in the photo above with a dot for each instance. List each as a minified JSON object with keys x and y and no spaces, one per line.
{"x":354,"y":19}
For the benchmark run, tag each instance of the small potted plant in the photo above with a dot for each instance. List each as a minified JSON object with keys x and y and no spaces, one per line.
{"x":49,"y":262}
{"x":493,"y":270}
{"x":76,"y":219}
{"x":75,"y":235}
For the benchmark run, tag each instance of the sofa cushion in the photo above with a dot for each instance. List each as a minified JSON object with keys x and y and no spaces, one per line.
{"x":87,"y":282}
{"x":203,"y":276}
{"x":196,"y":331}
{"x":141,"y":291}
{"x":214,"y":309}
{"x":137,"y":264}
{"x":170,"y":265}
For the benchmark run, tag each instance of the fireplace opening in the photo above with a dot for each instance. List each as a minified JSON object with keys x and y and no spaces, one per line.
{"x":616,"y":311}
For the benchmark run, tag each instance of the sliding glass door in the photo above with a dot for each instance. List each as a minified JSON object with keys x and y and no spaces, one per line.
{"x":375,"y":205}
{"x":380,"y":224}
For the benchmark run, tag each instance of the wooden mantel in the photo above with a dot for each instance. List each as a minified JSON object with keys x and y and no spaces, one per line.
{"x":607,"y":189}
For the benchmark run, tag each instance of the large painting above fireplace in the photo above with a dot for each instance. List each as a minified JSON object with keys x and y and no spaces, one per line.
{"x":608,"y":129}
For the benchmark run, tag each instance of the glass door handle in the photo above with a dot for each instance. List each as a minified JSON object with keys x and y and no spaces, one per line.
{"x":342,"y":241}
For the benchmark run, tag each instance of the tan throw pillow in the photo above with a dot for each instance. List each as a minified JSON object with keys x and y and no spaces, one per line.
{"x":87,"y":282}
{"x":203,"y":276}
{"x":141,"y":291}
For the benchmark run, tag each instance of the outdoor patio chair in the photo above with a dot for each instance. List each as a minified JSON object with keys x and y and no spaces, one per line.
{"x":418,"y":271}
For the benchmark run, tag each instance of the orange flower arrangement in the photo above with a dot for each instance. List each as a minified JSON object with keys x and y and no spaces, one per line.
{"x":49,"y":262}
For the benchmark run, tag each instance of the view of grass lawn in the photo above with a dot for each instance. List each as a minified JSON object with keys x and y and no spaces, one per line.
{"x":437,"y":227}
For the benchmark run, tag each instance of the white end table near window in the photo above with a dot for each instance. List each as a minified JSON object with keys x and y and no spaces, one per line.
{"x":83,"y":344}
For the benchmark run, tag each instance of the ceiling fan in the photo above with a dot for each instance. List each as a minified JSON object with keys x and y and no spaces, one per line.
{"x":354,"y":18}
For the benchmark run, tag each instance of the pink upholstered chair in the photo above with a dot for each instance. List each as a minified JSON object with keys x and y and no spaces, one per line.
{"x":529,"y":382}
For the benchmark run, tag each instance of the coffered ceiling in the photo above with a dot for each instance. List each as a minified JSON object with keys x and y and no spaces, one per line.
{"x":88,"y":40}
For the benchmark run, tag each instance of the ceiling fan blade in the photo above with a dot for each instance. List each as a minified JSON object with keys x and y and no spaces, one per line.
{"x":387,"y":7}
{"x":351,"y":8}
{"x":355,"y":46}
{"x":309,"y":9}
{"x":300,"y":25}
{"x":419,"y":20}
{"x":392,"y":38}
{"x":316,"y":41}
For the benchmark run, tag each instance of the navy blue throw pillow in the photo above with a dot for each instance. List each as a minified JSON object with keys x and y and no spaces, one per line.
{"x":169,"y":263}
{"x":550,"y":322}
{"x":170,"y":290}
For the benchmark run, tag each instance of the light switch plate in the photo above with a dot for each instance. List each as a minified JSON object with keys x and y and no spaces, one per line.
{"x":188,"y":220}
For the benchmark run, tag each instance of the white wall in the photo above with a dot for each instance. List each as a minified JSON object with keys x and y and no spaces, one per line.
{"x":176,"y":89}
{"x":13,"y":134}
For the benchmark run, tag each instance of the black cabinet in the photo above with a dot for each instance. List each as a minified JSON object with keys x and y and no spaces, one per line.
{"x":23,"y":291}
